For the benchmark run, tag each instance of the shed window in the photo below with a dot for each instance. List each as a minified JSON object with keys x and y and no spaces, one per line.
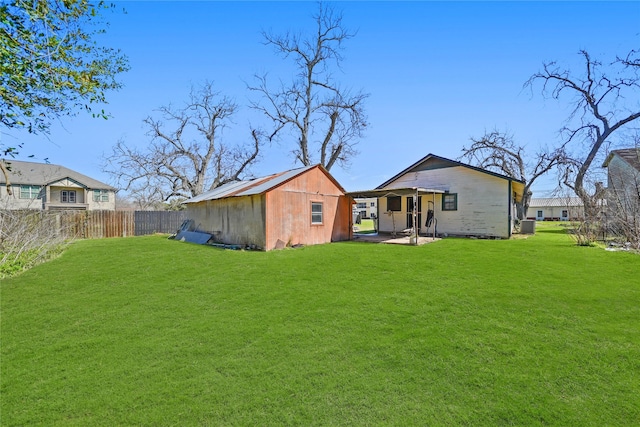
{"x":29,"y":191}
{"x":316,"y":213}
{"x":450,"y":202}
{"x":394,"y":204}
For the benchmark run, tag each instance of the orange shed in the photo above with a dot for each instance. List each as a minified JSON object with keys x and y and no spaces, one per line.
{"x":304,"y":206}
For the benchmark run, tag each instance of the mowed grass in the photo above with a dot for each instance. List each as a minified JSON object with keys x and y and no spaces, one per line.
{"x":149,"y":331}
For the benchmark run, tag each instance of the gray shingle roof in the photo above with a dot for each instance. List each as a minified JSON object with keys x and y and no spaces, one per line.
{"x":32,"y":173}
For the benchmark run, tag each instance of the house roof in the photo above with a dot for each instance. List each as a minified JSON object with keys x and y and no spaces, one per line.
{"x":386,"y":192}
{"x":554,"y":202}
{"x":32,"y":173}
{"x":258,"y":185}
{"x":629,"y":155}
{"x":441,"y":162}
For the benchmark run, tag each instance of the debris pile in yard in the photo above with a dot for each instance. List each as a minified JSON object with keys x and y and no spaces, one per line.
{"x":188,"y":233}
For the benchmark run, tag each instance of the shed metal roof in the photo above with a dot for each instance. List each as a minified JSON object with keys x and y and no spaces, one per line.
{"x":554,"y":202}
{"x":252,"y":187}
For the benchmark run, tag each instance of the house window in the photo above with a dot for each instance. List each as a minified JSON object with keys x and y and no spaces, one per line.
{"x":29,"y":191}
{"x":450,"y":202}
{"x":373,"y":204}
{"x":394,"y":204}
{"x":68,"y":196}
{"x":316,"y":213}
{"x":565,"y":213}
{"x":540,"y":214}
{"x":100,"y":196}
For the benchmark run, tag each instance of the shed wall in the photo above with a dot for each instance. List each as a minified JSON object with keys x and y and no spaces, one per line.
{"x":233,"y":220}
{"x":289,"y":212}
{"x":483,"y":202}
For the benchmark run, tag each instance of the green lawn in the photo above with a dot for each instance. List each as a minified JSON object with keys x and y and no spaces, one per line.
{"x":150,"y":331}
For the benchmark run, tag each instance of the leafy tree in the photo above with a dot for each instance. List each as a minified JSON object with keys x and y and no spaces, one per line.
{"x":51,"y":63}
{"x":186,"y":155}
{"x":602,"y":102}
{"x":497,"y":151}
{"x":325,"y":119}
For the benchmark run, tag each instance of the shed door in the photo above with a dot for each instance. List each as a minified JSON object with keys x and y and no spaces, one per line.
{"x":410,"y":211}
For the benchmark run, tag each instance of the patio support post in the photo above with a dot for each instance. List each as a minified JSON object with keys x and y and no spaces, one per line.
{"x":416,"y":226}
{"x":434,"y":215}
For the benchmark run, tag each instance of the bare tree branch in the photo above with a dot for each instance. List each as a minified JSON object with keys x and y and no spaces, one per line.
{"x":186,"y":155}
{"x":325,"y":119}
{"x":597,"y":112}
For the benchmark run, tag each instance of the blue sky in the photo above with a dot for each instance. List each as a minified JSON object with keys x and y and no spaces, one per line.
{"x":437,"y":73}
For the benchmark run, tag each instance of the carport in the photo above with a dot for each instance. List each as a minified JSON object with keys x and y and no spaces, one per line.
{"x":404,"y":192}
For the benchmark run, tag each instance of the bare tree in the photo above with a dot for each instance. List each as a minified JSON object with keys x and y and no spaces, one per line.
{"x":325,"y":119}
{"x":497,"y":151}
{"x":597,"y":111}
{"x":186,"y":156}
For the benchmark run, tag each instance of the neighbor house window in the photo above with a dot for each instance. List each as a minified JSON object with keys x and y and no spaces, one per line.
{"x":361,"y":205}
{"x":373,"y":204}
{"x":68,"y":196}
{"x":450,"y":202}
{"x":316,"y":213}
{"x":394,"y":204}
{"x":29,"y":191}
{"x":100,"y":196}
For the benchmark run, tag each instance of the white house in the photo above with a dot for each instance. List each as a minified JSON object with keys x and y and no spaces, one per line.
{"x":450,"y":199}
{"x":53,"y":187}
{"x":366,"y":207}
{"x":555,"y":209}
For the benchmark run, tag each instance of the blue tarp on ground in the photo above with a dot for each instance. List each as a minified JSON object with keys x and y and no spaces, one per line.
{"x":193,"y":237}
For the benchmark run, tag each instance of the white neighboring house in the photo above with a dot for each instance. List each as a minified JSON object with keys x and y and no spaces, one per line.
{"x":366,"y":207}
{"x":555,"y":209}
{"x":53,"y":187}
{"x":451,"y":198}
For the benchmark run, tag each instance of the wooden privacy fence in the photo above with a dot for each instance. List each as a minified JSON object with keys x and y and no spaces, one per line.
{"x":101,"y":224}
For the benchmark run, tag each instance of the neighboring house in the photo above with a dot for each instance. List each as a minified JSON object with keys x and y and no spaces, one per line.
{"x":366,"y":207}
{"x":304,"y":206}
{"x":623,"y":183}
{"x":555,"y":209}
{"x":451,"y":198}
{"x":53,"y":187}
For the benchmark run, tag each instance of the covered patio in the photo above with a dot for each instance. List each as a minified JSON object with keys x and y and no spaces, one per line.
{"x":409,"y":236}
